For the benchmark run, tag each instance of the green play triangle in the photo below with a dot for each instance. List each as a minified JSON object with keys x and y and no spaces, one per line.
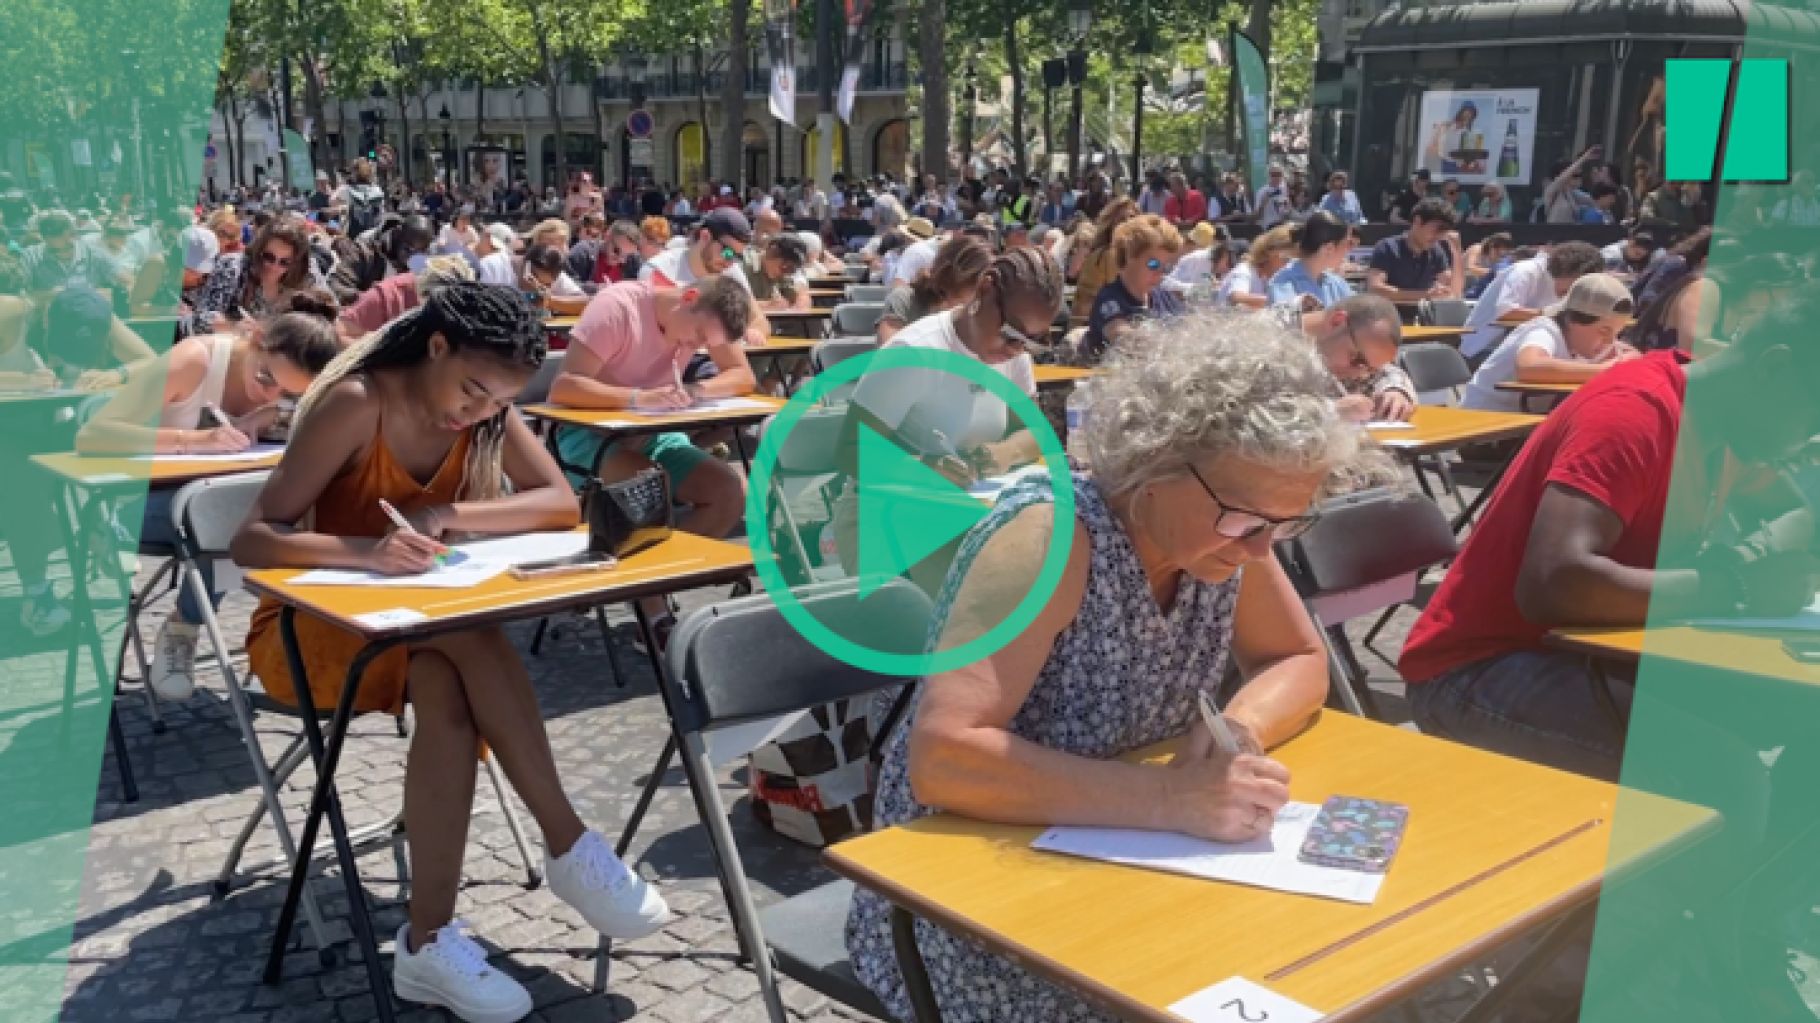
{"x":907,"y":511}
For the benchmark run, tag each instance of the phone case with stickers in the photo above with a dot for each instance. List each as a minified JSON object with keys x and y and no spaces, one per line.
{"x":1356,"y":834}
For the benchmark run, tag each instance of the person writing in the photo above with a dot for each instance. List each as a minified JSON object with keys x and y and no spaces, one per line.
{"x":420,"y":415}
{"x":1571,"y":342}
{"x":1421,"y":262}
{"x":1313,"y":278}
{"x":210,"y":394}
{"x":775,"y":272}
{"x":1147,"y":247}
{"x":1211,"y":438}
{"x":949,"y":282}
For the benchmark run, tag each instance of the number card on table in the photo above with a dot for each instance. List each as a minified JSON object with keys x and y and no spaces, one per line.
{"x":1237,"y":1000}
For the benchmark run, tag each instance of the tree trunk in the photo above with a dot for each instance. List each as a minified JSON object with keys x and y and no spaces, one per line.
{"x":319,"y":119}
{"x":1258,"y":28}
{"x":235,"y":127}
{"x":937,"y":110}
{"x":429,"y":142}
{"x":403,"y":150}
{"x":1015,"y":59}
{"x":552,"y":76}
{"x":733,"y":95}
{"x":701,"y":110}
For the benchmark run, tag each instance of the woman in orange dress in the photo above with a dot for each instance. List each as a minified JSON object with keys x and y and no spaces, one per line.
{"x":420,"y":415}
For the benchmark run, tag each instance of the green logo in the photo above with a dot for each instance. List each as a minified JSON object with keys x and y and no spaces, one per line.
{"x":1743,"y":105}
{"x":906,"y":517}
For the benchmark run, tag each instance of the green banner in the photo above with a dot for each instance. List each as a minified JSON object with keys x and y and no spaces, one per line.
{"x":299,"y":170}
{"x":1254,"y":106}
{"x":104,"y":112}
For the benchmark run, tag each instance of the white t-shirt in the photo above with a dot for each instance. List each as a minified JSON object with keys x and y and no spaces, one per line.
{"x":496,"y":268}
{"x":1272,"y":204}
{"x":1193,"y":269}
{"x":1501,"y":367}
{"x":918,"y":403}
{"x":913,"y":262}
{"x":1243,"y":280}
{"x":675,"y":266}
{"x":1524,"y":285}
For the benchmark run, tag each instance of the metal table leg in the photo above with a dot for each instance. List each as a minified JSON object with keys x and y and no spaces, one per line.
{"x":87,"y":635}
{"x":325,"y":801}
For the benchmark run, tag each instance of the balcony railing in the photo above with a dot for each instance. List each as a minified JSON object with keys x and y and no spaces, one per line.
{"x":894,"y":77}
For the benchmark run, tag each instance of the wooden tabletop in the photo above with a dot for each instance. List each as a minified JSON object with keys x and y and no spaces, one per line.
{"x":682,"y":562}
{"x":623,"y":421}
{"x":1744,"y":653}
{"x":1444,"y":428}
{"x":1444,"y":335}
{"x":781,"y":346}
{"x":1533,"y":387}
{"x":92,"y":471}
{"x":798,"y":315}
{"x":561,"y":324}
{"x":1052,"y":377}
{"x":1496,"y":847}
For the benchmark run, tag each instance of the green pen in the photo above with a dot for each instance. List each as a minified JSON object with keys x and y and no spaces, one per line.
{"x":404,"y":525}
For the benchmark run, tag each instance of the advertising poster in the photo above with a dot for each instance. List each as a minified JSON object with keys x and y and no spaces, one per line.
{"x":1480,"y":135}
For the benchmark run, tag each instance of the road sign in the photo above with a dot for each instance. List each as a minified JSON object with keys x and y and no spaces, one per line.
{"x":642,"y":152}
{"x":639,"y":124}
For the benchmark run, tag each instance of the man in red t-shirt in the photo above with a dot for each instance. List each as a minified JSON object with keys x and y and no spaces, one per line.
{"x":1185,"y":206}
{"x":1574,"y":535}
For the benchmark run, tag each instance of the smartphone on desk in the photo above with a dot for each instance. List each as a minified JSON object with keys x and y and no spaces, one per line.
{"x":1355,"y":834}
{"x":1807,"y":651}
{"x":574,"y":564}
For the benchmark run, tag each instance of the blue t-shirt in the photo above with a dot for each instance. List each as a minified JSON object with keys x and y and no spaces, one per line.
{"x":1116,"y":302}
{"x":1406,"y":269}
{"x":1294,"y":281}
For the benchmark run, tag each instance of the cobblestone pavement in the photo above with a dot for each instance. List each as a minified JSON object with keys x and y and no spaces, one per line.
{"x":152,"y":945}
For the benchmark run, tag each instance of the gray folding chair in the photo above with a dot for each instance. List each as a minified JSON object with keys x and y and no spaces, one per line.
{"x":537,"y":391}
{"x":207,"y":514}
{"x":1437,"y":372}
{"x":739,"y":663}
{"x":867,"y":294}
{"x":1443,"y":312}
{"x":807,"y":456}
{"x":1365,"y":555}
{"x":853,"y":319}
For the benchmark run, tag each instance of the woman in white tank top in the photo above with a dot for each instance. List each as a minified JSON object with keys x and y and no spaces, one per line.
{"x":240,"y":376}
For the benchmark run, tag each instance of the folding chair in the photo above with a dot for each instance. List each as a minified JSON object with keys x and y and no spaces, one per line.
{"x":537,"y":391}
{"x":1437,"y":372}
{"x":207,"y":514}
{"x":867,"y":294}
{"x":855,"y":320}
{"x":808,"y":454}
{"x":742,"y":664}
{"x":1366,"y":554}
{"x":1443,"y":312}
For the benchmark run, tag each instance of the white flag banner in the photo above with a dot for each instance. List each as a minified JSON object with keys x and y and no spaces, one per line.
{"x":857,"y":11}
{"x":780,"y":41}
{"x":849,"y":84}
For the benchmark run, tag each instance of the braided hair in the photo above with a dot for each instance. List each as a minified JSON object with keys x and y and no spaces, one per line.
{"x":1028,"y":271}
{"x":485,"y":318}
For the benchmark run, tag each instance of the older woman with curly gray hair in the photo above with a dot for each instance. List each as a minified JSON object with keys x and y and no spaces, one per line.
{"x":1211,"y":438}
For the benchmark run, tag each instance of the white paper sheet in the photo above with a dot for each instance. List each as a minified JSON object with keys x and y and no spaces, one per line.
{"x":1268,"y":862}
{"x":1804,"y":621}
{"x":708,"y":405}
{"x":470,"y":564}
{"x":1389,"y":424}
{"x":992,"y":486}
{"x":1237,"y":1000}
{"x":256,"y":453}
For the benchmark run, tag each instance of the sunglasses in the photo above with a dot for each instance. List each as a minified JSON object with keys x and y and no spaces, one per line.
{"x":1235,"y":523}
{"x":1155,"y":265}
{"x":729,"y":253}
{"x":271,"y":260}
{"x":1012,"y":336}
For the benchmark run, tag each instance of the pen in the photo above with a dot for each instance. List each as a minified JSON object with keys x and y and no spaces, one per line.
{"x":404,"y":524}
{"x":1222,"y":735}
{"x":215,"y":413}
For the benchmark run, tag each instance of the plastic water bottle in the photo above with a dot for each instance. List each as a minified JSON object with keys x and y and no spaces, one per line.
{"x":1080,"y":403}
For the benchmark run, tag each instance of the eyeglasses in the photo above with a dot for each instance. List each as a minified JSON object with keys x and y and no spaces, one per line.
{"x":1358,"y":360}
{"x":1242,"y":524}
{"x":1155,"y":265}
{"x":1012,"y":335}
{"x":273,"y":260}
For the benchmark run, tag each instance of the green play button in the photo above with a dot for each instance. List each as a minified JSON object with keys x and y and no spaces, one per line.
{"x":907,"y":511}
{"x":831,"y":498}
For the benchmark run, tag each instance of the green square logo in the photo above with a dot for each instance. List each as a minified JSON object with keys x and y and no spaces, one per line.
{"x":1754,"y":129}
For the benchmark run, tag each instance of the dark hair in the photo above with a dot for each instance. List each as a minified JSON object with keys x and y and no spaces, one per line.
{"x":724,"y":299}
{"x":958,"y":263}
{"x":544,"y":257}
{"x":410,"y":236}
{"x":1574,"y":260}
{"x":1695,"y":247}
{"x":305,"y":333}
{"x":12,"y":274}
{"x":291,"y":231}
{"x":55,"y":222}
{"x":1434,"y":209}
{"x":790,"y":249}
{"x":1603,"y":189}
{"x":1027,"y":270}
{"x":1322,"y":229}
{"x":1497,"y":240}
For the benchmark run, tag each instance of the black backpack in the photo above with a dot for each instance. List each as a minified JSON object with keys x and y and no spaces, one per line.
{"x":366,"y":203}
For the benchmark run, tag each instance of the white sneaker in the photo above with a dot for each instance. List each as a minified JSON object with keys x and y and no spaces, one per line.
{"x":173,"y":670}
{"x":452,"y":972}
{"x":42,"y":613}
{"x":612,"y":898}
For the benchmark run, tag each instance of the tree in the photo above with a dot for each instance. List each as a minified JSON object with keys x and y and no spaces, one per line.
{"x":932,"y":56}
{"x":733,"y":90}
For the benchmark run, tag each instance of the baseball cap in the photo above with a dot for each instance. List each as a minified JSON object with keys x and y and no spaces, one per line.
{"x":728,"y":222}
{"x":1595,"y":295}
{"x":1203,"y":235}
{"x":502,"y":235}
{"x":200,"y":246}
{"x":920,"y":227}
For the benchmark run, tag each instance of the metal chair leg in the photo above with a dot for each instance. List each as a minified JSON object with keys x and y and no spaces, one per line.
{"x":606,"y":640}
{"x":533,"y":875}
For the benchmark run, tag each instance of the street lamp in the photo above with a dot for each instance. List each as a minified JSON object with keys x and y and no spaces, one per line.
{"x":1142,"y":48}
{"x":448,"y":145}
{"x":1080,"y":20}
{"x":971,"y":95}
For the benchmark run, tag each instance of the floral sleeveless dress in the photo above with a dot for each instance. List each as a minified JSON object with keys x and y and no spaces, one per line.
{"x":1123,"y":676}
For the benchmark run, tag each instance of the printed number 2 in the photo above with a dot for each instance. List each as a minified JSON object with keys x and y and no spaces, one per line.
{"x":1237,"y":1008}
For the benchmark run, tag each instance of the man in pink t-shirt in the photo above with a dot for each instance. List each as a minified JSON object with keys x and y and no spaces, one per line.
{"x":628,"y":352}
